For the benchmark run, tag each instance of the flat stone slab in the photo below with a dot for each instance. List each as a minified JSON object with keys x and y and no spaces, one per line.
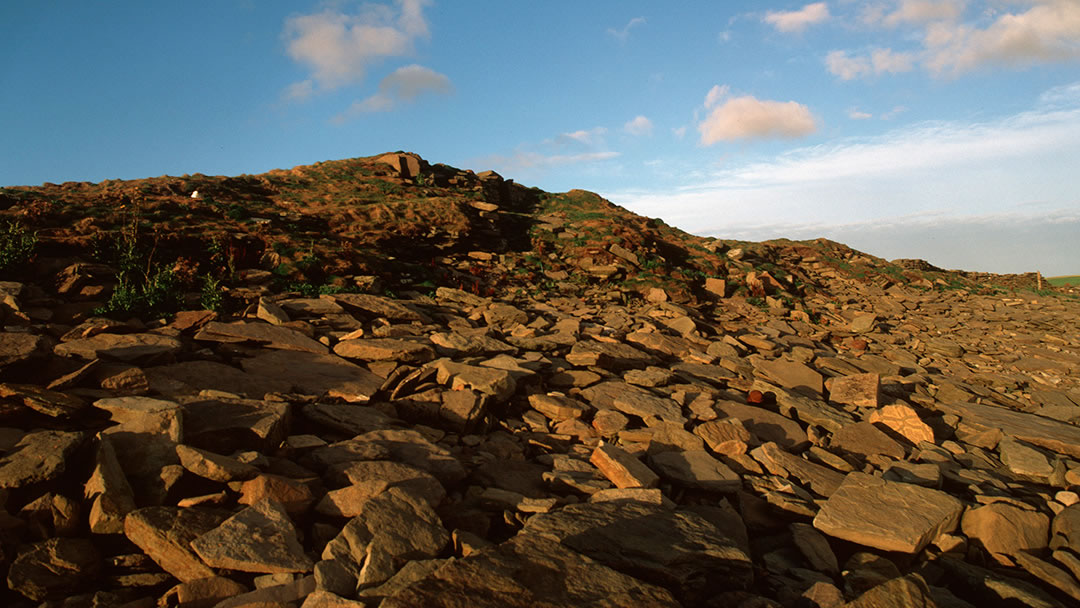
{"x":124,"y":347}
{"x":378,"y":306}
{"x":1053,"y":435}
{"x":261,"y":538}
{"x":224,"y":426}
{"x":55,"y":568}
{"x":348,"y":418}
{"x":384,"y":349}
{"x":695,"y":469}
{"x":270,"y":336}
{"x":190,"y":377}
{"x":39,"y":456}
{"x":317,"y":374}
{"x":165,"y":535}
{"x":887,"y":515}
{"x":608,"y":355}
{"x":524,"y":572}
{"x":766,"y":425}
{"x":792,"y":375}
{"x":679,"y":550}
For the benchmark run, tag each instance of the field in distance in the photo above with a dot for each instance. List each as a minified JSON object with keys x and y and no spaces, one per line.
{"x":1061,"y":281}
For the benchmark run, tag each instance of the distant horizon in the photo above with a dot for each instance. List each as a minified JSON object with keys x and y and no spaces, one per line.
{"x":945,"y":131}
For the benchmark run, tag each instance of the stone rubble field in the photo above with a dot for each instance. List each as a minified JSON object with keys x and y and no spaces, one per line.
{"x":907,"y":448}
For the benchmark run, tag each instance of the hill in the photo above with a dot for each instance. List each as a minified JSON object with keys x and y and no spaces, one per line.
{"x":379,"y":381}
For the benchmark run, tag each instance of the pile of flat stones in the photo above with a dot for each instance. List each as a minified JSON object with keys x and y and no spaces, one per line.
{"x":895,"y":448}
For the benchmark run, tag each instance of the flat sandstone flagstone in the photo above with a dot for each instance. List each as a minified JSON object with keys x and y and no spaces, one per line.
{"x":261,"y":538}
{"x":887,"y":515}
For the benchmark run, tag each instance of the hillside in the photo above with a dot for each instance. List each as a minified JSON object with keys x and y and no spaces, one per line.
{"x":381,"y":382}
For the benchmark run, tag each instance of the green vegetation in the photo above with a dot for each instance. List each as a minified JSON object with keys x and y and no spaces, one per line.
{"x":16,"y":248}
{"x":1073,"y":280}
{"x":143,"y":287}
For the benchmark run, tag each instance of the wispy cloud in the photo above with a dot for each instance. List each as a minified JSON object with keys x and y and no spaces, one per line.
{"x":583,"y":147}
{"x":879,"y":61}
{"x":797,"y":21}
{"x":338,"y":47}
{"x":638,"y":126}
{"x":747,"y":117}
{"x":402,"y":86}
{"x":856,"y":114}
{"x":943,"y":170}
{"x":622,"y":34}
{"x":1037,"y":32}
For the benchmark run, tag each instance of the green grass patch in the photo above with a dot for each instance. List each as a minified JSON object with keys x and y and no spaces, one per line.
{"x":1073,"y":280}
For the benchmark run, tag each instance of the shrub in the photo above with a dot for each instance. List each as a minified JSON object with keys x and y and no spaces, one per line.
{"x":16,"y":247}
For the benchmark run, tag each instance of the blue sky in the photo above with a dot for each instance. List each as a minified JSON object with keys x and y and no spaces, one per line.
{"x":947,"y":130}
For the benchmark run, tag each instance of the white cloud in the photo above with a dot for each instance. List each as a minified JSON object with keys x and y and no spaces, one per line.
{"x":624,"y":33}
{"x":638,"y":126}
{"x":855,"y":114}
{"x":588,"y":137}
{"x":748,"y":117}
{"x":797,"y":21}
{"x":924,"y":11}
{"x":879,"y":61}
{"x":944,"y":171}
{"x":524,"y":160}
{"x":679,"y":132}
{"x":339,"y":47}
{"x":1048,"y":31}
{"x":715,"y":94}
{"x":403,"y":85}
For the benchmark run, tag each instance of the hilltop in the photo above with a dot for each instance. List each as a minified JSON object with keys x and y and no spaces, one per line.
{"x":382,"y":382}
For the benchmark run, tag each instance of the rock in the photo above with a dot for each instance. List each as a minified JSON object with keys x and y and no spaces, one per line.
{"x":695,"y":469}
{"x":793,"y":375}
{"x":225,"y":426}
{"x":909,"y":591}
{"x":862,"y":322}
{"x":17,"y":348}
{"x":497,"y":383}
{"x":390,"y":529}
{"x":204,"y":592}
{"x":859,"y":389}
{"x":261,"y":538}
{"x":904,"y":421}
{"x":815,"y":548}
{"x":44,"y":401}
{"x":108,"y":490}
{"x":131,"y":348}
{"x":1025,"y":461}
{"x":348,"y":418}
{"x":678,"y":550}
{"x":371,"y":478}
{"x":165,"y":535}
{"x":1005,"y":530}
{"x":528,"y":571}
{"x":213,"y":466}
{"x":384,"y":349}
{"x":1050,"y":574}
{"x":55,"y":568}
{"x":1050,"y":434}
{"x":806,"y":410}
{"x":624,"y":470}
{"x":318,"y":374}
{"x":887,"y":515}
{"x":191,"y":377}
{"x":1065,"y":529}
{"x":292,"y":494}
{"x":821,"y":480}
{"x":716,"y":287}
{"x":558,"y":408}
{"x":767,"y":425}
{"x":864,"y":439}
{"x":270,"y":336}
{"x":38,"y":457}
{"x":608,"y":355}
{"x":380,"y":307}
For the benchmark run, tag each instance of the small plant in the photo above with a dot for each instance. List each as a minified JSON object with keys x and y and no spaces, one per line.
{"x":16,"y":247}
{"x":212,"y":296}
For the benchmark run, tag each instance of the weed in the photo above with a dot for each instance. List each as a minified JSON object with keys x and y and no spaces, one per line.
{"x":212,"y":296}
{"x":16,"y":247}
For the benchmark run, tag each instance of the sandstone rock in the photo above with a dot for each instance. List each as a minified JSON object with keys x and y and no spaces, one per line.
{"x":1005,"y":530}
{"x":411,"y":448}
{"x":497,"y":383}
{"x":695,"y":469}
{"x":528,"y":571}
{"x":380,"y":307}
{"x":624,"y":470}
{"x":609,"y":355}
{"x":678,"y":550}
{"x":909,"y":591}
{"x":131,"y":348}
{"x":390,"y":529}
{"x":45,"y":401}
{"x":213,"y":466}
{"x":225,"y":426}
{"x":295,"y":496}
{"x":858,"y":389}
{"x":904,"y":421}
{"x":54,"y":568}
{"x":351,"y":419}
{"x":864,"y":439}
{"x":16,"y":348}
{"x":792,"y":375}
{"x":767,"y":425}
{"x":384,"y":349}
{"x":165,"y":535}
{"x":1055,"y":436}
{"x":261,"y":538}
{"x":815,"y":548}
{"x":270,"y":336}
{"x":318,"y":374}
{"x":887,"y":515}
{"x":821,"y":480}
{"x":108,"y":489}
{"x":371,"y":478}
{"x":37,"y":457}
{"x":205,"y":592}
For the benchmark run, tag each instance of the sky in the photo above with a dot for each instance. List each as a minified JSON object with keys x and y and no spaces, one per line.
{"x":946,"y":130}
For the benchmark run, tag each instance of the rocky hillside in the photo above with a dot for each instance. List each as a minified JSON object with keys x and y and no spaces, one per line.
{"x":380,"y":382}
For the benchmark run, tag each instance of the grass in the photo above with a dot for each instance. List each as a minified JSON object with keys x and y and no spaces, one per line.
{"x":16,"y":248}
{"x":1073,"y":280}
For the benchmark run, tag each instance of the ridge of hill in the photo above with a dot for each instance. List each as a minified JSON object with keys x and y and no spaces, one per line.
{"x":380,"y":382}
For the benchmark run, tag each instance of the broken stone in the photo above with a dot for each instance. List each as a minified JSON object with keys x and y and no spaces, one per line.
{"x":261,"y":538}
